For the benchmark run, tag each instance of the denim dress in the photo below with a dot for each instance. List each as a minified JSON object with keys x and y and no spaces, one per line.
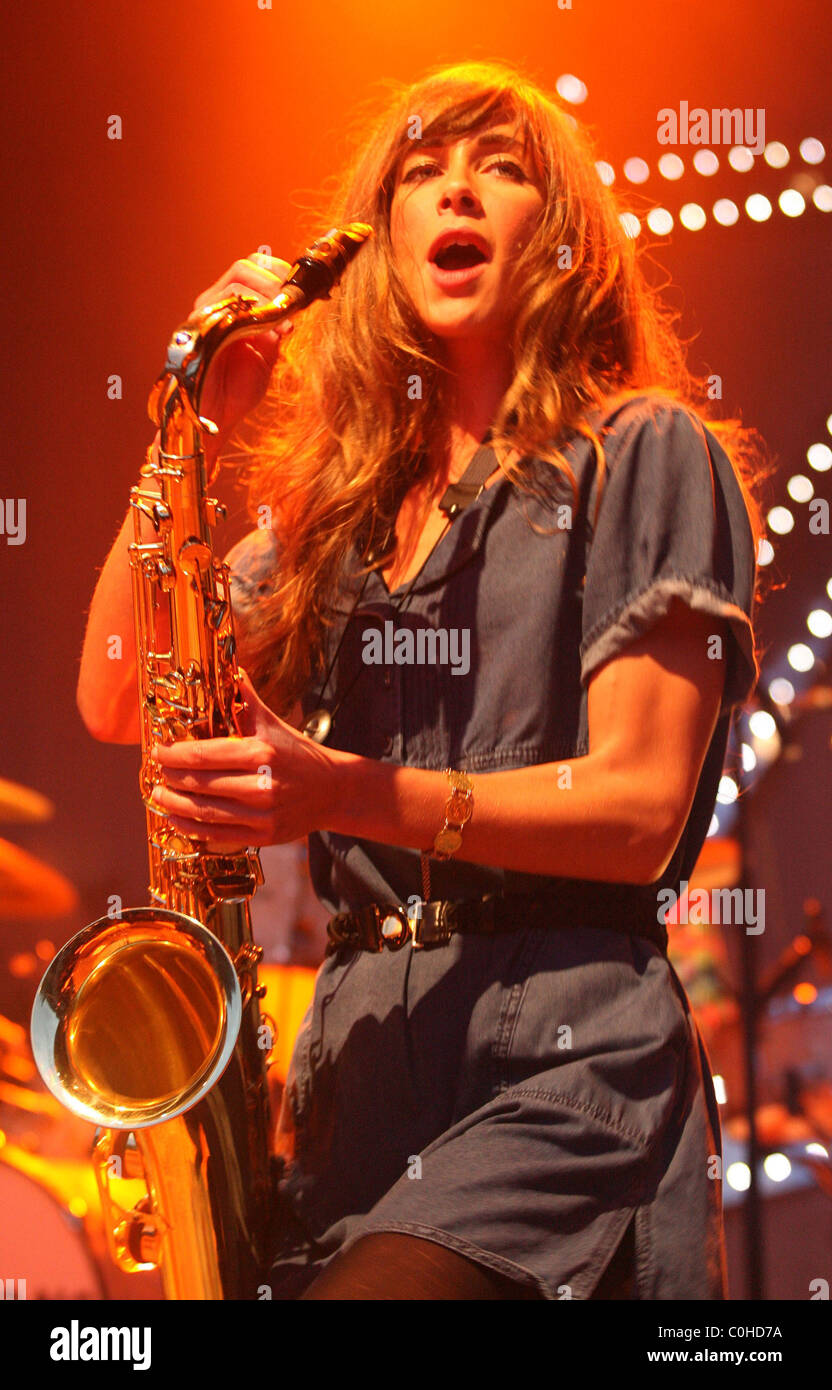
{"x":519,"y":1098}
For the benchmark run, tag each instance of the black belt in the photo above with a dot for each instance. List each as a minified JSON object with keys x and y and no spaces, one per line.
{"x":378,"y":926}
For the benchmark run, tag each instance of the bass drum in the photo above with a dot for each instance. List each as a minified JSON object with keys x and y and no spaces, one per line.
{"x":288,"y":991}
{"x":44,"y":1252}
{"x":52,"y":1238}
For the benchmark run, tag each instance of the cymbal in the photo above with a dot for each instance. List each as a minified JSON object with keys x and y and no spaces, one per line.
{"x":31,"y":888}
{"x":22,"y":803}
{"x":718,"y":865}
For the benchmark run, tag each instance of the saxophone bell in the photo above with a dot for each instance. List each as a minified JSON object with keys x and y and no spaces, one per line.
{"x":136,"y":1018}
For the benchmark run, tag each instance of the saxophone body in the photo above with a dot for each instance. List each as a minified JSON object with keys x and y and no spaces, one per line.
{"x":148,"y":1022}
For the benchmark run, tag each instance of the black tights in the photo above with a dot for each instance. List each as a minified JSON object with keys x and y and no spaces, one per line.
{"x":388,"y":1266}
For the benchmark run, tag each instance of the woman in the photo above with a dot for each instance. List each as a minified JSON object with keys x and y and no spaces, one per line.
{"x":508,"y":1098}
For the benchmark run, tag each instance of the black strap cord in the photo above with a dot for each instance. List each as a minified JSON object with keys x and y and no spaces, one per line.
{"x":455,"y":499}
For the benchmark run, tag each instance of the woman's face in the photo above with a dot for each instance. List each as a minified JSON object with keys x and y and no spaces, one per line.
{"x":461,"y":215}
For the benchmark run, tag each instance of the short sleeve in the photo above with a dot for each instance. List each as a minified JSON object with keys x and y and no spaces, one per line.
{"x":253,"y":565}
{"x":672,"y":524}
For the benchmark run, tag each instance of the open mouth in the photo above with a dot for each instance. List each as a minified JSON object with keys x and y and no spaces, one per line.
{"x":455,"y":256}
{"x":458,"y":249}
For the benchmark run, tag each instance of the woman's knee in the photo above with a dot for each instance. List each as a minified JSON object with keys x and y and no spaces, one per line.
{"x":393,"y":1266}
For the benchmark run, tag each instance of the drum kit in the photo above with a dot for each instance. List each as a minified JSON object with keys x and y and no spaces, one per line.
{"x":52,"y":1238}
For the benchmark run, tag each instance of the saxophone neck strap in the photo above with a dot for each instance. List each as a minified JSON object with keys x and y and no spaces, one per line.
{"x":468,"y":488}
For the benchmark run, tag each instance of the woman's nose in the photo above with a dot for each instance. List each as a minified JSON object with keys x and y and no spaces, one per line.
{"x":458,"y":193}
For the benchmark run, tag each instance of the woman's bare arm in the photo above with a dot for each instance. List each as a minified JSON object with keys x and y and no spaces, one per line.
{"x":615,"y":815}
{"x":107,"y":692}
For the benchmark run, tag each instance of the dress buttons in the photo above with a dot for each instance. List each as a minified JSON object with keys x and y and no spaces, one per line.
{"x":387,"y":678}
{"x":387,"y":746}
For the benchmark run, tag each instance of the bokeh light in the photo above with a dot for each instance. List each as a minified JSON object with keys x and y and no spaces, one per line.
{"x":741,"y":159}
{"x":671,"y":166}
{"x":660,"y":221}
{"x":571,"y":89}
{"x":726,"y":213}
{"x":636,"y":170}
{"x":812,"y":151}
{"x":758,"y":207}
{"x":693,"y":217}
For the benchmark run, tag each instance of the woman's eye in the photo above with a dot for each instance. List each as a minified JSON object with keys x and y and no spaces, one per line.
{"x":416,"y":171}
{"x":508,"y":166}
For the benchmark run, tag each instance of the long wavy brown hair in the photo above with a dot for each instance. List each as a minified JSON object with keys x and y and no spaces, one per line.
{"x":342,"y":431}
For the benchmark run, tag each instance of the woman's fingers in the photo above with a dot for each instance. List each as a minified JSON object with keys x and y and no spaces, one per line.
{"x":227,"y":840}
{"x":237,"y":381}
{"x":203,"y":754}
{"x":252,"y":787}
{"x":208,"y":810}
{"x":257,"y":274}
{"x":273,"y":786}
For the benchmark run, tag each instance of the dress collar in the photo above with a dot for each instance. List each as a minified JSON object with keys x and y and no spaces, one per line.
{"x":453,"y":550}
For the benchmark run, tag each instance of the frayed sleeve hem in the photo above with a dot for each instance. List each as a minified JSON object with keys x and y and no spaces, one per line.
{"x":637,"y":614}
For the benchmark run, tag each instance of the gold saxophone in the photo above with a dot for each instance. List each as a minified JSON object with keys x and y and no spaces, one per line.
{"x":147,"y":1022}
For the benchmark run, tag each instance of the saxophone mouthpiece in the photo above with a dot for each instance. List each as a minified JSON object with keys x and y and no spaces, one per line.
{"x":321,"y":266}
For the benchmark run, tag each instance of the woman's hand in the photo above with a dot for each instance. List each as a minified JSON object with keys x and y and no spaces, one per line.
{"x":238,"y":377}
{"x":266,"y":788}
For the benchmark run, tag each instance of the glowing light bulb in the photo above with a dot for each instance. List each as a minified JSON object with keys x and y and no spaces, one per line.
{"x":780,"y":520}
{"x":800,"y":488}
{"x":819,"y":457}
{"x":636,"y":170}
{"x":693,"y":217}
{"x":726,"y":213}
{"x":571,"y":88}
{"x":791,"y":202}
{"x":758,"y":207}
{"x":741,"y":159}
{"x":660,"y":221}
{"x":812,"y":151}
{"x":671,"y":166}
